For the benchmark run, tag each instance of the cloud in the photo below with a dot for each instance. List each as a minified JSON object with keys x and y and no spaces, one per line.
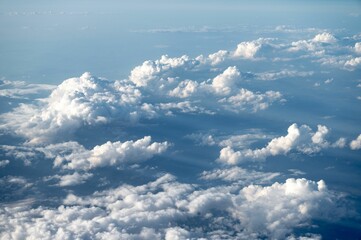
{"x":248,"y":50}
{"x":176,"y":233}
{"x":109,"y":154}
{"x":225,"y":82}
{"x":283,"y":74}
{"x":156,"y":72}
{"x":72,"y":179}
{"x":240,"y":175}
{"x":23,"y":90}
{"x":353,"y":63}
{"x":301,"y":139}
{"x":246,"y":99}
{"x":358,"y":47}
{"x":76,"y":102}
{"x":158,"y":209}
{"x":324,"y":37}
{"x":314,"y":44}
{"x":274,"y":209}
{"x":3,"y":163}
{"x":356,"y":144}
{"x":184,"y":89}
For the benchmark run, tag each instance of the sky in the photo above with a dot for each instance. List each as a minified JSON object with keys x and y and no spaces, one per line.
{"x":180,"y":119}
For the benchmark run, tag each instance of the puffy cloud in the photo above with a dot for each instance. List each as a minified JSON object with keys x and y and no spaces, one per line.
{"x":318,"y":137}
{"x":324,"y":37}
{"x":184,"y":89}
{"x":246,"y":99}
{"x":274,"y":209}
{"x":354,"y":62}
{"x":314,"y":44}
{"x":156,"y":72}
{"x":176,"y":233}
{"x":110,"y":154}
{"x":356,"y":144}
{"x":76,"y":102}
{"x":248,"y":50}
{"x":358,"y":47}
{"x":73,"y":179}
{"x":218,"y":57}
{"x":301,"y":139}
{"x":224,"y":82}
{"x":158,"y":209}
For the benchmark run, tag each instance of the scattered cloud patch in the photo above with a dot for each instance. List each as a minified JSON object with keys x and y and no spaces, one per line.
{"x":301,"y":139}
{"x":111,"y":154}
{"x":3,"y":163}
{"x":356,"y":144}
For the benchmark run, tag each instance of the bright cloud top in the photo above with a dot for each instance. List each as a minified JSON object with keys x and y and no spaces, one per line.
{"x":155,"y":210}
{"x":301,"y":139}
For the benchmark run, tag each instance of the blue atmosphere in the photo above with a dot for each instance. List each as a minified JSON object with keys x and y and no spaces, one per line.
{"x":180,"y":119}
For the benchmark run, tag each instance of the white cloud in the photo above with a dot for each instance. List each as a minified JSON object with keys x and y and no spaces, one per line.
{"x":313,"y":45}
{"x":318,"y":137}
{"x":23,"y":90}
{"x":274,"y":209}
{"x":110,"y":154}
{"x":248,"y":50}
{"x":242,"y":141}
{"x":358,"y":47}
{"x":74,"y":103}
{"x":225,"y":82}
{"x":3,"y":163}
{"x":168,"y":209}
{"x":354,"y":62}
{"x":324,"y":37}
{"x":156,"y":72}
{"x":218,"y":57}
{"x":301,"y":139}
{"x":184,"y":89}
{"x":176,"y":233}
{"x":246,"y":99}
{"x":356,"y":144}
{"x":72,"y":179}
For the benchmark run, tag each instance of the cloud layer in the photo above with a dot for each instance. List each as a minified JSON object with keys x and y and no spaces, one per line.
{"x":157,"y":208}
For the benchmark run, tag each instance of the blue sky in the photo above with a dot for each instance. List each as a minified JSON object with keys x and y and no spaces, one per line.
{"x":180,"y":120}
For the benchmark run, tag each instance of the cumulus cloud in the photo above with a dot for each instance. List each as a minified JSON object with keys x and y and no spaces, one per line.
{"x":314,"y":44}
{"x":357,"y":47}
{"x":156,"y":209}
{"x":354,"y":62}
{"x":76,"y":102}
{"x":72,"y":179}
{"x":356,"y":144}
{"x":324,"y":37}
{"x":224,"y":82}
{"x":301,"y":139}
{"x":274,"y":209}
{"x":246,"y":99}
{"x":218,"y":57}
{"x":108,"y":154}
{"x":184,"y":89}
{"x":157,"y":72}
{"x":248,"y":50}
